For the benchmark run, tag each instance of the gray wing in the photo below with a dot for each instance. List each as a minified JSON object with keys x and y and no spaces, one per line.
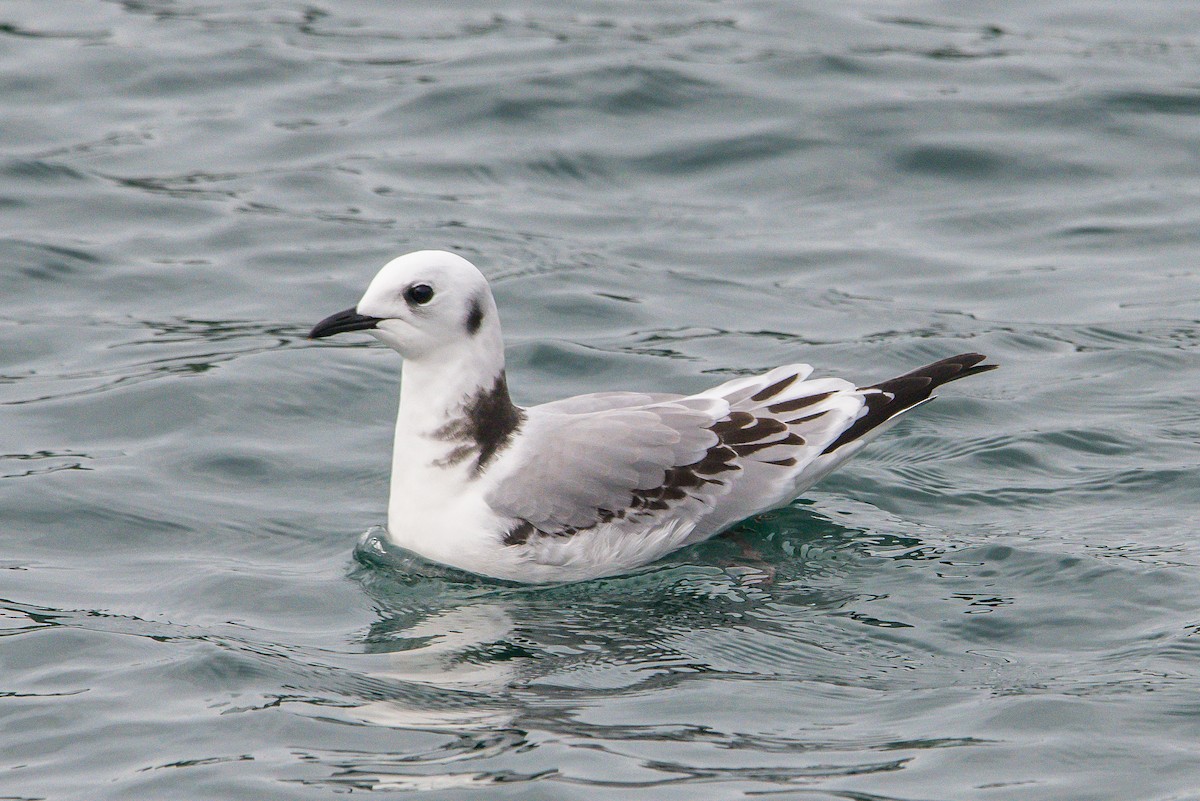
{"x":602,"y":401}
{"x":704,"y":461}
{"x":597,"y":458}
{"x":575,"y":468}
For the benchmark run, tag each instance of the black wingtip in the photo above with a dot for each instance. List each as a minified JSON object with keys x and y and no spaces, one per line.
{"x":906,"y":391}
{"x":917,"y":385}
{"x":943,"y":371}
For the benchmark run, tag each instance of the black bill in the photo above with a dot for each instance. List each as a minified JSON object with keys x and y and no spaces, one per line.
{"x":340,"y":323}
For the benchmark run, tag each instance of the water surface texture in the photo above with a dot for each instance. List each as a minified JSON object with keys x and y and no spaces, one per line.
{"x":1000,"y":599}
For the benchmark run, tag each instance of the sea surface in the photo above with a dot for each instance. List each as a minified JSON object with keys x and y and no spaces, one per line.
{"x":999,"y":599}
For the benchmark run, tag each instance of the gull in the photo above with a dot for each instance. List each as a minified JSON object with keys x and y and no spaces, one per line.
{"x":594,"y":485}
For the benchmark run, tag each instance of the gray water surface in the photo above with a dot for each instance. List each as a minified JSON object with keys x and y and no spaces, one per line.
{"x":1000,"y":599}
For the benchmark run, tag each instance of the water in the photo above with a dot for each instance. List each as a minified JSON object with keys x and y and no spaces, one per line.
{"x":999,"y":600}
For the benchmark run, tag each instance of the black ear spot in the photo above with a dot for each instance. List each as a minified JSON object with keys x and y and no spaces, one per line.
{"x":474,"y":317}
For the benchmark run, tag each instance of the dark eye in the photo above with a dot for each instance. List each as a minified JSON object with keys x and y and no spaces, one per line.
{"x":419,"y":294}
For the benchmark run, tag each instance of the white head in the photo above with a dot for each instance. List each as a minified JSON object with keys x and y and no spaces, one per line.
{"x":426,"y":305}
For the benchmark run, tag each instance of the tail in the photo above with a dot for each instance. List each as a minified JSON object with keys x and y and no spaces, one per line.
{"x":889,"y":398}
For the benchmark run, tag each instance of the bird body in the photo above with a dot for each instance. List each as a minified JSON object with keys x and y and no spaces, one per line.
{"x":597,"y":484}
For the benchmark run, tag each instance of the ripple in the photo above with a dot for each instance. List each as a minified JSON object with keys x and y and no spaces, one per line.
{"x":701,"y":155}
{"x":11,"y":29}
{"x":1187,"y":103}
{"x":64,"y":460}
{"x":1000,"y":594}
{"x":42,"y":170}
{"x":48,"y":262}
{"x":192,"y":343}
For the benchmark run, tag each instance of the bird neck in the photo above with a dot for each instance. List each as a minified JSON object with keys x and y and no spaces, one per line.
{"x":430,"y":398}
{"x":455,"y":411}
{"x":436,"y":387}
